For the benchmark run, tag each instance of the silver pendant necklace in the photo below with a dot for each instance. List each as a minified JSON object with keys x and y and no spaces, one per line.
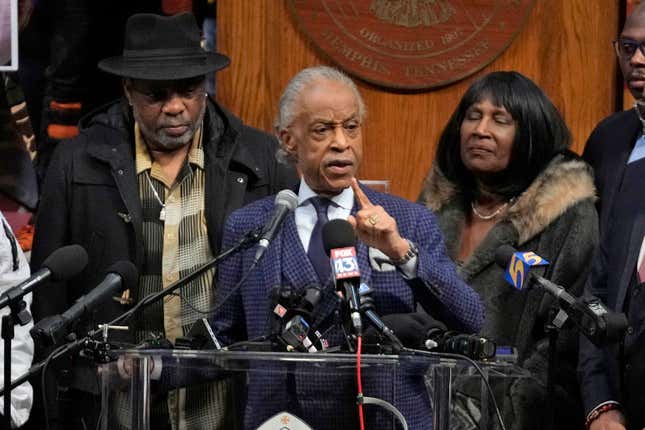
{"x":162,"y":212}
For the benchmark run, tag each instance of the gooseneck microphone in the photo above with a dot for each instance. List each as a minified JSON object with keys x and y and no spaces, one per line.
{"x":285,"y":202}
{"x":518,"y":265}
{"x":367,"y":308}
{"x":61,"y":265}
{"x":589,"y":314}
{"x":120,"y":276}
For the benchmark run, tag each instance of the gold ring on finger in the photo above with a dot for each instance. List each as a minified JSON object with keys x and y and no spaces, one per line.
{"x":373,"y":219}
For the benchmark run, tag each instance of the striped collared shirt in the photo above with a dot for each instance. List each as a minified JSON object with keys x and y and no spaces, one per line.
{"x":175,"y":245}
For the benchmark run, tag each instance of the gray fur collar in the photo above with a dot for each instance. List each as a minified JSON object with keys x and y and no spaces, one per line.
{"x":562,"y":184}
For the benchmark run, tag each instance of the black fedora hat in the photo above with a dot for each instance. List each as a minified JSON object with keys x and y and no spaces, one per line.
{"x":163,"y":48}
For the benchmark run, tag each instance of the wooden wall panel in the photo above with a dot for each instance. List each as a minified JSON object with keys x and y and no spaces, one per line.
{"x":564,"y":47}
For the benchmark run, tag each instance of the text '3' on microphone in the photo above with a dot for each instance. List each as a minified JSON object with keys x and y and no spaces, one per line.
{"x":285,"y":202}
{"x":61,"y":265}
{"x":339,"y":241}
{"x":120,"y":276}
{"x":590,"y":315}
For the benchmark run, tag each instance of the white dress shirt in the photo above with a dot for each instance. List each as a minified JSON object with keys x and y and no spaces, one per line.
{"x":306,"y":217}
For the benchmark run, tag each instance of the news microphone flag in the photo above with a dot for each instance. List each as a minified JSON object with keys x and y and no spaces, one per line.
{"x":519,"y":265}
{"x":344,"y":263}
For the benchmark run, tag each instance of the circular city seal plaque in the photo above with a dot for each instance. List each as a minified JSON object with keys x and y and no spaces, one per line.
{"x":411,"y":44}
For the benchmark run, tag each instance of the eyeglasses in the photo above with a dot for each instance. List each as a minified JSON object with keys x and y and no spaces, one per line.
{"x":626,"y":48}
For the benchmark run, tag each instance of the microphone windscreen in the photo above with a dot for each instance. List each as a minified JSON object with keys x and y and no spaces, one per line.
{"x":413,"y":328}
{"x":127,"y":271}
{"x":287,"y":198}
{"x":66,"y":262}
{"x":338,"y":233}
{"x":311,"y":297}
{"x":503,"y":255}
{"x":616,"y":325}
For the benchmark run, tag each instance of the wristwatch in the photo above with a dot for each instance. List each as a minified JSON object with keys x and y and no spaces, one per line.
{"x":413,"y":251}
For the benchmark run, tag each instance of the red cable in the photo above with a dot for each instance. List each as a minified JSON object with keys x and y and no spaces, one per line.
{"x":359,"y":397}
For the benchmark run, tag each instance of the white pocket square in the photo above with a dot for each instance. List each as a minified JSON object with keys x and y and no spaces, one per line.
{"x":379,"y":261}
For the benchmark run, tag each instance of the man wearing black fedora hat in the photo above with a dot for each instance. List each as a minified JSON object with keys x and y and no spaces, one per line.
{"x":150,"y":179}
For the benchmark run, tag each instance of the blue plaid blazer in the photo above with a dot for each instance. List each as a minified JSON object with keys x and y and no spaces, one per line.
{"x":246,"y":314}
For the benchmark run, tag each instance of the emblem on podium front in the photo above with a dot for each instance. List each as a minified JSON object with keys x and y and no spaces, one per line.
{"x":284,"y":421}
{"x":411,"y":44}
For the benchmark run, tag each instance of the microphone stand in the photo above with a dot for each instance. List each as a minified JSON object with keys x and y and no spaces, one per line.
{"x":18,"y":314}
{"x":36,"y":367}
{"x":250,"y":237}
{"x":558,"y":317}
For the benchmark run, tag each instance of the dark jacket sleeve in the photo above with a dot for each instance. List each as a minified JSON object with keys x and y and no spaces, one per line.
{"x":593,"y":365}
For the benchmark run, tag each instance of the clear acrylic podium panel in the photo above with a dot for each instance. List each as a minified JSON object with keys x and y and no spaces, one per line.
{"x":246,"y":389}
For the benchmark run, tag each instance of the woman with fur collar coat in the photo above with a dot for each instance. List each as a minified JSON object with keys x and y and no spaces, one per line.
{"x":503,"y":174}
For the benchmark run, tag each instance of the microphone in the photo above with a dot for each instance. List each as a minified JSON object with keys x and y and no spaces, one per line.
{"x":200,"y":336}
{"x":589,"y":314}
{"x":61,"y":265}
{"x":339,"y":242}
{"x":295,"y":307}
{"x":120,"y":276}
{"x":470,"y":345}
{"x":419,"y":330}
{"x":296,"y":332}
{"x":413,"y":328}
{"x":285,"y":201}
{"x":367,"y":308}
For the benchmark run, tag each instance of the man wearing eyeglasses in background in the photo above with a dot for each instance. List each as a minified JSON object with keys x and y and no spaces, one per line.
{"x":611,"y":377}
{"x":611,"y":143}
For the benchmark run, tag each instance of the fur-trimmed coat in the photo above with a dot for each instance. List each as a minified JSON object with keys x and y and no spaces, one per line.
{"x":554,"y":217}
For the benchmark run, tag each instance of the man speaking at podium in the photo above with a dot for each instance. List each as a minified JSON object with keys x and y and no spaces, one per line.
{"x":400,"y":252}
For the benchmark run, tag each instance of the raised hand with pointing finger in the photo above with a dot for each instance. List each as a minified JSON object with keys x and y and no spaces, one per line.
{"x":375,"y":227}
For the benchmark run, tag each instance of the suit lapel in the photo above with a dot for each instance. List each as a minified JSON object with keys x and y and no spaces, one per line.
{"x":297,"y":270}
{"x":631,"y":257}
{"x":618,"y":159}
